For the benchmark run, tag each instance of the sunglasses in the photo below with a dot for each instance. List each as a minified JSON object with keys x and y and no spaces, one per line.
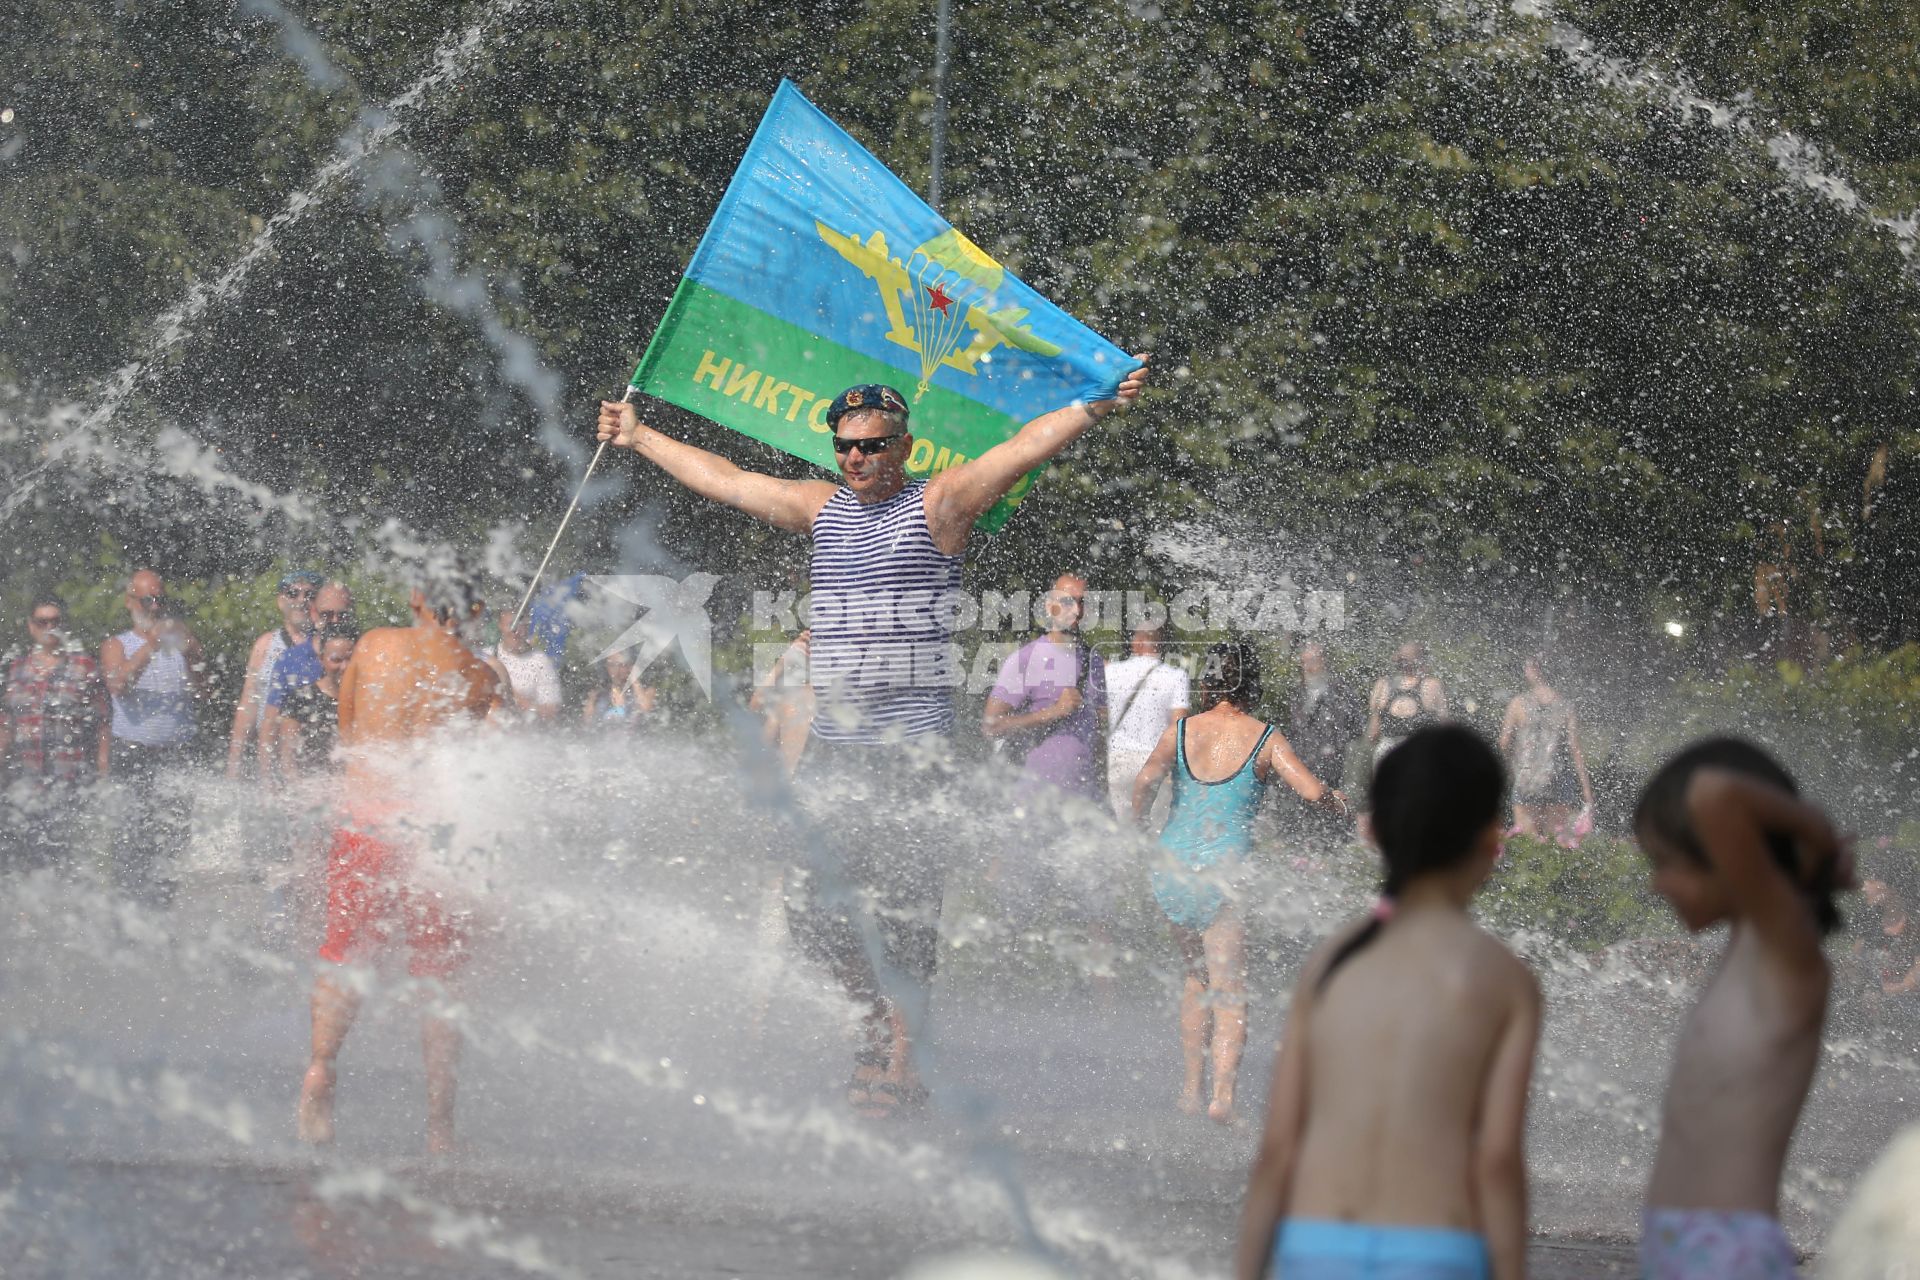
{"x":52,"y":621}
{"x":869,"y":446}
{"x":148,"y":602}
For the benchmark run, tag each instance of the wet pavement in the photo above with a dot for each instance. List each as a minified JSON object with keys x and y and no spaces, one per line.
{"x":642,"y":1096}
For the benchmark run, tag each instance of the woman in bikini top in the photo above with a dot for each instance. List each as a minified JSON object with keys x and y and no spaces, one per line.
{"x":1405,"y":702}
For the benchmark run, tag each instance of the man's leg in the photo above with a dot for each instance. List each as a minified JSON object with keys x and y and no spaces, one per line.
{"x":59,"y":828}
{"x":351,"y":911}
{"x":333,"y":1009}
{"x":826,"y":905}
{"x":172,"y":815}
{"x":1226,"y":947}
{"x":17,"y":837}
{"x":1195,"y":1019}
{"x":1122,"y":768}
{"x":133,"y":843}
{"x":909,"y":927}
{"x":438,"y":939}
{"x":440,"y":1049}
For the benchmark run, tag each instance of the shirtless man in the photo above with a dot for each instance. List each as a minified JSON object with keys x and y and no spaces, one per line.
{"x":1730,"y":841}
{"x":403,"y":687}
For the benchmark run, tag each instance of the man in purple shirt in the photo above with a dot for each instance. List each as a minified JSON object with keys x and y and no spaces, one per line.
{"x":1051,"y":698}
{"x":1051,"y":702}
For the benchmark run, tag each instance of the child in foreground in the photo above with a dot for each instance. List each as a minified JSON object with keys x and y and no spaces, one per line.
{"x":1394,"y":1138}
{"x":1730,"y":840}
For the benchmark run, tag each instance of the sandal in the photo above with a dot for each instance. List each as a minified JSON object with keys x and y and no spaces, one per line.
{"x":872,"y":1060}
{"x":911,"y":1096}
{"x":888,"y":1100}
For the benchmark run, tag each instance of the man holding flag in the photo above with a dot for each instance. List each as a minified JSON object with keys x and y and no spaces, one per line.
{"x":886,"y":550}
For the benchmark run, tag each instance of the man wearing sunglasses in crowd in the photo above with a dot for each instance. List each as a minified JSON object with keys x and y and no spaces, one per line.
{"x":295,"y":601}
{"x":885,"y":549}
{"x":298,"y":667}
{"x":53,"y":741}
{"x":154,"y":672}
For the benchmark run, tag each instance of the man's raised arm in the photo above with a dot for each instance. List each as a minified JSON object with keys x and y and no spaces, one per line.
{"x":784,"y":504}
{"x":960,"y":495}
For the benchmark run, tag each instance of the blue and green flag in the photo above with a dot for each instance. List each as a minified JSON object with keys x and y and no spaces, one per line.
{"x":822,"y":270}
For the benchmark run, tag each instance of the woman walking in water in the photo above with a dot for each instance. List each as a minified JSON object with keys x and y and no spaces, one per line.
{"x":1395,"y":1137}
{"x":1209,"y":834}
{"x":1541,"y":740}
{"x":1405,"y":701}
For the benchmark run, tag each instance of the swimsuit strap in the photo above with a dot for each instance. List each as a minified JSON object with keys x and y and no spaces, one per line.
{"x":1266,"y":731}
{"x":1180,"y":746}
{"x":1258,"y":747}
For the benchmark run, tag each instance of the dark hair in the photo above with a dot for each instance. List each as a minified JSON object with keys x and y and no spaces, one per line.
{"x":607,"y":683}
{"x":1230,"y":672}
{"x":44,"y":598}
{"x":1430,"y":798}
{"x":1662,"y":812}
{"x":449,"y":582}
{"x":338,"y":631}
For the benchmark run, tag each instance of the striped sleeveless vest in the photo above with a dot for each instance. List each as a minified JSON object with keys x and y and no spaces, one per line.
{"x":882,"y":610}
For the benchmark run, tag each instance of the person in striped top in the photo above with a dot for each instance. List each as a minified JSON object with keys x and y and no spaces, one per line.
{"x":887,"y":552}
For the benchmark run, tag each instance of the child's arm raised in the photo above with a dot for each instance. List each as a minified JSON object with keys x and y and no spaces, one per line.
{"x":1732,"y":816}
{"x":1268,"y":1185}
{"x":1499,"y":1158}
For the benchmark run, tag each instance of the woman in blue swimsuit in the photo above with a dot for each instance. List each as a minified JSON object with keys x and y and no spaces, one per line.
{"x":1208,"y":835}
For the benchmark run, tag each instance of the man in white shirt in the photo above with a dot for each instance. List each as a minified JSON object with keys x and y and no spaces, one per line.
{"x":1145,"y":694}
{"x":531,"y":674}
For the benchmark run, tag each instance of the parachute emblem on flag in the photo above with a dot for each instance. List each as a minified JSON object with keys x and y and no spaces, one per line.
{"x":943,"y":291}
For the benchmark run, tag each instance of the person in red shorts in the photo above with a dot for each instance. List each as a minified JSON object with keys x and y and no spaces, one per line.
{"x":403,"y":686}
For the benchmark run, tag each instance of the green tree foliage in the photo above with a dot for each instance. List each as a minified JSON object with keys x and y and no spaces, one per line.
{"x":1420,"y":289}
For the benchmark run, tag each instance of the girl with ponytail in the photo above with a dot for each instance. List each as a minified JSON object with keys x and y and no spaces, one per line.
{"x":1396,"y":1122}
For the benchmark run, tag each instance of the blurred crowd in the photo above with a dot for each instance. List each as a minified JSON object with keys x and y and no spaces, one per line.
{"x":109,"y":735}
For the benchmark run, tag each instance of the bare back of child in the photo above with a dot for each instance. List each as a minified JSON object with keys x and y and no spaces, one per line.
{"x":1730,"y":841}
{"x":1407,"y":1048}
{"x":1395,"y":1131}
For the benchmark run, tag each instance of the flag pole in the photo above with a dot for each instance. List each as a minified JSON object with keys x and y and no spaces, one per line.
{"x":942,"y":43}
{"x":571,"y":507}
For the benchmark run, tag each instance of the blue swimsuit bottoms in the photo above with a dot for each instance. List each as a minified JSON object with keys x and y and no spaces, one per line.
{"x":1309,"y":1249}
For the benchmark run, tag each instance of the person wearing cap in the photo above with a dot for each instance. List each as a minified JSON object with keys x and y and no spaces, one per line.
{"x":886,"y":548}
{"x":295,"y":601}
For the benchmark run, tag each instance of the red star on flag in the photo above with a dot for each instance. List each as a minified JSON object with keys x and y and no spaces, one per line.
{"x":939,"y":300}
